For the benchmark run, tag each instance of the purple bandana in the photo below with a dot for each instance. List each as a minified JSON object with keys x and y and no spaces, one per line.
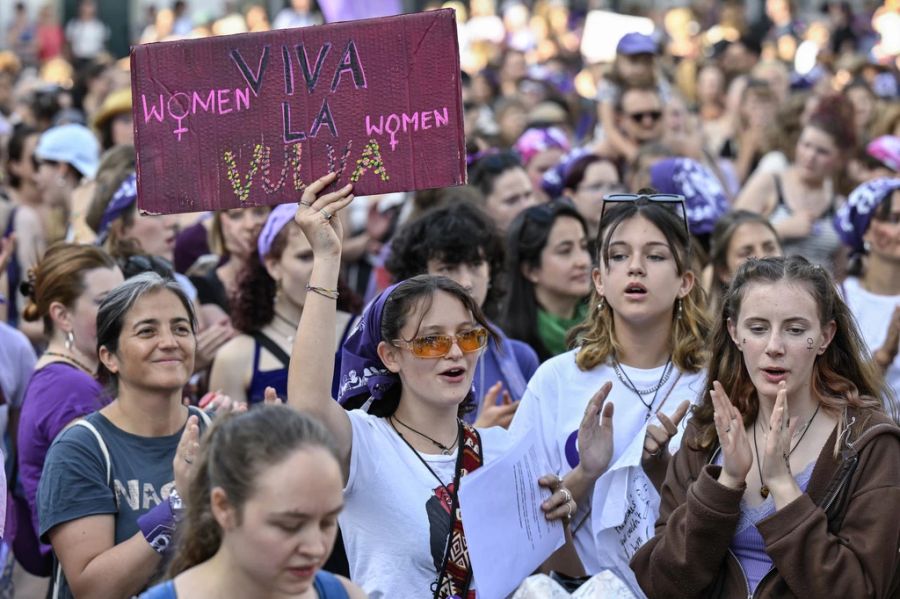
{"x":536,"y":140}
{"x":554,"y":177}
{"x":362,"y":371}
{"x":278,"y":218}
{"x":852,"y":219}
{"x":704,"y":197}
{"x":121,"y":201}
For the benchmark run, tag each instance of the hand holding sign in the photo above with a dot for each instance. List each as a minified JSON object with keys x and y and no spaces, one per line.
{"x":315,"y":215}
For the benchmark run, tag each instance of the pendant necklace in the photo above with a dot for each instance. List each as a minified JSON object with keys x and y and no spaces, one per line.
{"x":293,"y":325}
{"x":764,"y":489}
{"x":418,"y":455}
{"x":445,"y":449}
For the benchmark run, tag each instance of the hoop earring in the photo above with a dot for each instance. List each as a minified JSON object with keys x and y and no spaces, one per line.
{"x":70,"y":340}
{"x":601,"y":305}
{"x":678,"y":314}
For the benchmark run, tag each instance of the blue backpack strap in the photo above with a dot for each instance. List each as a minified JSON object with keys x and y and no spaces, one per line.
{"x":328,"y":586}
{"x":164,"y":590}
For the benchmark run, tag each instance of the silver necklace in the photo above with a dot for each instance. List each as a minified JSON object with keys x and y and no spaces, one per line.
{"x":626,"y":380}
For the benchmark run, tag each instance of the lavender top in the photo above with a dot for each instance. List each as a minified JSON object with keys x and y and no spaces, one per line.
{"x":56,"y":395}
{"x":748,"y":545}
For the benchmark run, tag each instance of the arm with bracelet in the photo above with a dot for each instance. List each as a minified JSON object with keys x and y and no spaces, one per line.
{"x":312,"y":357}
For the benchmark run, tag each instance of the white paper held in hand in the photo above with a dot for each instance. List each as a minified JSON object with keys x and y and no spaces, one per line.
{"x":507,"y":539}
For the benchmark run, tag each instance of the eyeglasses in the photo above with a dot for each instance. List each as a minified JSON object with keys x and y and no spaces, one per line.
{"x":671,"y":201}
{"x":638,"y":117}
{"x":438,"y":346}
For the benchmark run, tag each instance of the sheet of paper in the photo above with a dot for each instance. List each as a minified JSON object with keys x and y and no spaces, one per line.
{"x":507,"y":534}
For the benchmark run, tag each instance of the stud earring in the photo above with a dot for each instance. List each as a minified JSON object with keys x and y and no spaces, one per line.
{"x":601,"y":304}
{"x":867,"y":247}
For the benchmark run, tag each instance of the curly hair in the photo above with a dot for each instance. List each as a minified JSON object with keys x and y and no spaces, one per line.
{"x":455,"y":234}
{"x":253,"y":306}
{"x":841,"y":376}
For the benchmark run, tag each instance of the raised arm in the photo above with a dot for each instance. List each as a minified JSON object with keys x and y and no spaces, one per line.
{"x":312,"y":358}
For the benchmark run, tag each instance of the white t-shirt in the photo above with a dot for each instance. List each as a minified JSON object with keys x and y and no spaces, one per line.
{"x":394,"y":523}
{"x":873,"y":313}
{"x":553,"y":407}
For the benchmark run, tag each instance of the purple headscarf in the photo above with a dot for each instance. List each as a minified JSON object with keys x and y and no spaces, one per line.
{"x":554,"y":177}
{"x":851,"y":221}
{"x":704,"y":197}
{"x":278,"y":218}
{"x":538,"y":140}
{"x":362,"y":371}
{"x":121,"y":201}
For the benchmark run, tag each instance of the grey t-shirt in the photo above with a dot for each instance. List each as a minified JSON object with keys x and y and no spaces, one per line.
{"x":74,"y":484}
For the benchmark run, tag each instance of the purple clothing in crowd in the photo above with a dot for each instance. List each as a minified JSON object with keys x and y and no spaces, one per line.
{"x":513,"y":365}
{"x":56,"y":395}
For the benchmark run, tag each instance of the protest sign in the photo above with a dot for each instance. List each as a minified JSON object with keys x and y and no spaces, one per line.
{"x":251,"y":119}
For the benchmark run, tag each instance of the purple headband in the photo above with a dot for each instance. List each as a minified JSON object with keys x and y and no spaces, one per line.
{"x":852,"y":219}
{"x":704,"y":197}
{"x":121,"y":201}
{"x":537,"y":140}
{"x":886,"y":150}
{"x":278,"y":218}
{"x":362,"y":371}
{"x":555,"y":177}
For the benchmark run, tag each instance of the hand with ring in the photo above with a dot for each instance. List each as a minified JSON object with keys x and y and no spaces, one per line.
{"x":187,"y":451}
{"x":657,"y":438}
{"x":560,"y":505}
{"x":323,"y":232}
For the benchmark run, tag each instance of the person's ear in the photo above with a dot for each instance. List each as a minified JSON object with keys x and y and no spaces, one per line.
{"x":61,"y":316}
{"x":598,"y":280}
{"x":732,"y":331}
{"x":529,"y":272}
{"x":109,"y":360}
{"x":273,"y":267}
{"x":687,"y":283}
{"x":222,"y":510}
{"x":389,"y":355}
{"x":828,"y":332}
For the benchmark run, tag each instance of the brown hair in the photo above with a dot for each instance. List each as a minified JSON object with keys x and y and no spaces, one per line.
{"x":115,"y":166}
{"x":59,"y":277}
{"x":234,"y":452}
{"x":597,"y":333}
{"x":841,"y":377}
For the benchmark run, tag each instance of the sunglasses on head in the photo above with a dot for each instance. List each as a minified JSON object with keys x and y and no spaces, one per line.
{"x":141,"y":263}
{"x":438,"y":346}
{"x":671,"y":201}
{"x":638,"y":117}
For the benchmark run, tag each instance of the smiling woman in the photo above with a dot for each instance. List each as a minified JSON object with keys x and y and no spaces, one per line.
{"x":109,"y":541}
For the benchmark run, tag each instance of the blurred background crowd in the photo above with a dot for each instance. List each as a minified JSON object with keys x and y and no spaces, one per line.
{"x":765,"y":115}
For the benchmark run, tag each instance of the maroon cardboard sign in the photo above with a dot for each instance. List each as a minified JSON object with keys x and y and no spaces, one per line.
{"x":251,"y":119}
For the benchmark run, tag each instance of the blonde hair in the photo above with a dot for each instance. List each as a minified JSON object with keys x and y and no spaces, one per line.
{"x":691,"y":326}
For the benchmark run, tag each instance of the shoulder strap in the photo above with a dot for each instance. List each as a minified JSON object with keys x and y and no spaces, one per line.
{"x":328,"y":586}
{"x":272,"y":347}
{"x":103,"y":449}
{"x":778,"y":189}
{"x":456,"y":575}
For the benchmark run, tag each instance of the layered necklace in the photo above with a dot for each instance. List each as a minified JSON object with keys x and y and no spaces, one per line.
{"x":764,"y":489}
{"x":626,"y":380}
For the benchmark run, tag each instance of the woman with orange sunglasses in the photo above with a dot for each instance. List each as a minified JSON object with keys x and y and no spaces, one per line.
{"x":411,"y":358}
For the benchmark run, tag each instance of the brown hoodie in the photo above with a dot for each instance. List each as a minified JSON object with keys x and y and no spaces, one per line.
{"x":840,"y":539}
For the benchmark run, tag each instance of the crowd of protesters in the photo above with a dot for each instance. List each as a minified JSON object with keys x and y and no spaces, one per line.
{"x":675,"y":264}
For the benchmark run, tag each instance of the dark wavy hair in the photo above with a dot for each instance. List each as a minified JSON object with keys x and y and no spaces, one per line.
{"x":842,"y":376}
{"x":409,"y":297}
{"x":526,"y":240}
{"x":459,"y":233}
{"x":234,"y":452}
{"x":253,"y":306}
